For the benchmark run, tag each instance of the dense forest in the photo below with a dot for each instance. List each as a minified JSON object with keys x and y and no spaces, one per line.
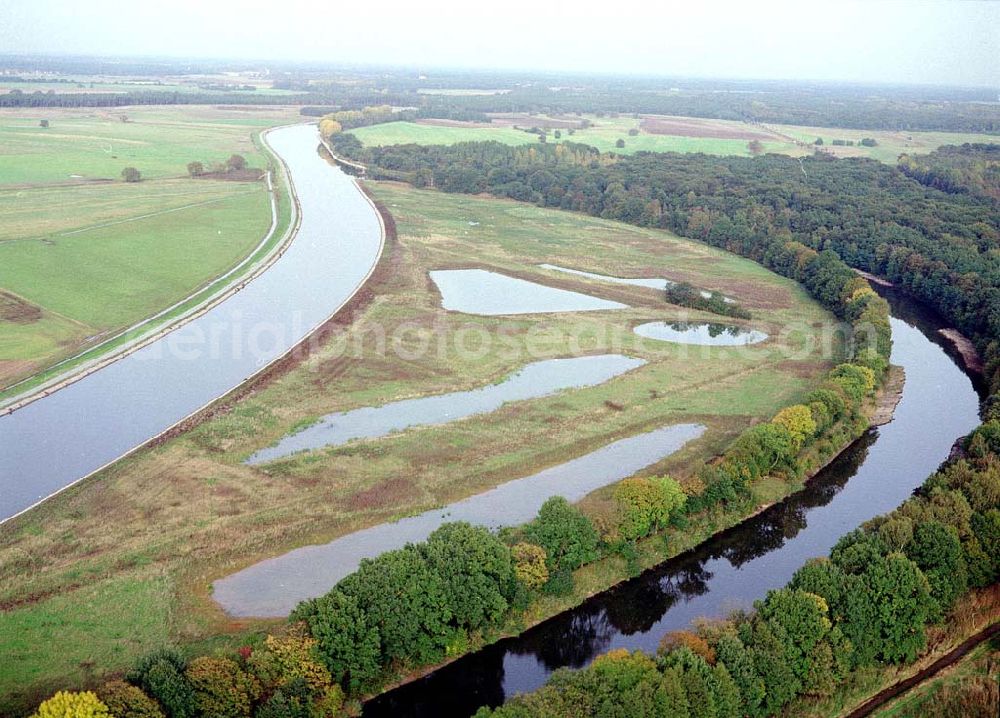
{"x":798,"y":106}
{"x":969,"y":168}
{"x":941,"y":247}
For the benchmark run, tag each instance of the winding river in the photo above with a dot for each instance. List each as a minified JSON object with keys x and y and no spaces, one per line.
{"x":733,"y":569}
{"x":54,"y":442}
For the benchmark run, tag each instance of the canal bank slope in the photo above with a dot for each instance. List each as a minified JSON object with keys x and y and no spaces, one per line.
{"x":73,"y":433}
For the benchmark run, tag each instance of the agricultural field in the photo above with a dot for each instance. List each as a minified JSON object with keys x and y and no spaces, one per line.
{"x":83,"y":253}
{"x":158,"y":527}
{"x":662,"y":134}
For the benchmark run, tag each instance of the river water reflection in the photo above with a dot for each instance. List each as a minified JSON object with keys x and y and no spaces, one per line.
{"x":716,"y":335}
{"x":480,"y":291}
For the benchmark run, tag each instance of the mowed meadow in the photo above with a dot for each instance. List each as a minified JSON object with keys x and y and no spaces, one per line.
{"x":661,"y":134}
{"x":84,"y":254}
{"x":150,"y":534}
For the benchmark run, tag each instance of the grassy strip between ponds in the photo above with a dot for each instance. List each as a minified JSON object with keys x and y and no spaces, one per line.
{"x":278,"y":237}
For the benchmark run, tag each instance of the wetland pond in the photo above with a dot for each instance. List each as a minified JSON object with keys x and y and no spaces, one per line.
{"x":535,"y":380}
{"x":275,"y":586}
{"x":480,"y":291}
{"x":719,"y":335}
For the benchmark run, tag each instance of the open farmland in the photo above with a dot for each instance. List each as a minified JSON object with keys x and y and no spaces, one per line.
{"x":661,"y":134}
{"x":162,"y":525}
{"x":91,"y":254}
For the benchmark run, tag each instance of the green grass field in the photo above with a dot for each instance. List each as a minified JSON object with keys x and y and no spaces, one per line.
{"x":95,"y":627}
{"x":890,"y":144}
{"x":96,"y":144}
{"x":606,"y":131}
{"x":94,"y":254}
{"x":190,"y":511}
{"x":603,"y":136}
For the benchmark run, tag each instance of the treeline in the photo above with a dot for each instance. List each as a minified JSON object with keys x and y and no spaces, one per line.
{"x":969,"y":168}
{"x":685,"y":294}
{"x":780,"y":103}
{"x":869,"y":603}
{"x":333,"y":123}
{"x":940,"y":247}
{"x":328,"y":88}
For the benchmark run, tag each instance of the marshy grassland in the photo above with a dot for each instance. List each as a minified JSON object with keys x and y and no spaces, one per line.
{"x":84,"y":254}
{"x":126,"y":558}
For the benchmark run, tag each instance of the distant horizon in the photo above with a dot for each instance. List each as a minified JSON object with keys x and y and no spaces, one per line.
{"x":883,"y":42}
{"x":289,"y":63}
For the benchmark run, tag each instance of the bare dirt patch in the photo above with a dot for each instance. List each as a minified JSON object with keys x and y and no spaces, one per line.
{"x":690,"y":127}
{"x":383,"y":496}
{"x":248,"y":174}
{"x":18,"y":311}
{"x":522,"y":119}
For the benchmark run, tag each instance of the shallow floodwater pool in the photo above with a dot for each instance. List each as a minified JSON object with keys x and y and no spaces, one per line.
{"x":722,"y":335}
{"x":535,"y":380}
{"x":480,"y":291}
{"x":275,"y":586}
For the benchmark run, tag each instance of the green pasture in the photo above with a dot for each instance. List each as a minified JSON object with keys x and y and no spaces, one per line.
{"x":605,"y":132}
{"x":95,"y":254}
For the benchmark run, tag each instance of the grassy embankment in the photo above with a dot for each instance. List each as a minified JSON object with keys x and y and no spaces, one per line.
{"x":145,"y":538}
{"x":84,"y":255}
{"x":717,"y":137}
{"x":963,"y":687}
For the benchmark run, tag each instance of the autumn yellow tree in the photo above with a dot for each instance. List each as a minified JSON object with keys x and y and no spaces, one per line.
{"x":529,"y":565}
{"x":328,"y":127}
{"x":798,"y":419}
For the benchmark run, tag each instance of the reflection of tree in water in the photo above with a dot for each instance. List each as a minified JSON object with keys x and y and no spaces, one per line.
{"x":783,"y":522}
{"x":928,"y":321}
{"x":714,"y":330}
{"x":571,"y":640}
{"x":636,"y":606}
{"x":458,"y":689}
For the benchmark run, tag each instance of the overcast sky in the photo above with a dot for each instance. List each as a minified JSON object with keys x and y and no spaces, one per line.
{"x":949,"y":42}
